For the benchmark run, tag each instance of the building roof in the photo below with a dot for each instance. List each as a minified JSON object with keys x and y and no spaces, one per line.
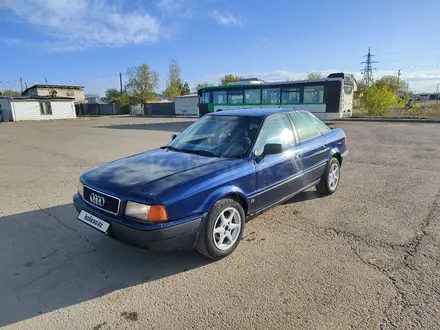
{"x":188,"y":95}
{"x":36,"y":98}
{"x":256,"y":112}
{"x":54,"y":86}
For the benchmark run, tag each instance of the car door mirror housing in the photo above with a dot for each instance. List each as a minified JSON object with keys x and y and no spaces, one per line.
{"x":271,"y":149}
{"x":173,"y":136}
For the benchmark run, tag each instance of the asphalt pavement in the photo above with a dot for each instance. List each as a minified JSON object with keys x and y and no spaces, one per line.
{"x":366,"y":257}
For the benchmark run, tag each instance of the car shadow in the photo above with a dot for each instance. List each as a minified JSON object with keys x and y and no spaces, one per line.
{"x":304,"y":196}
{"x":50,"y":260}
{"x":177,"y":126}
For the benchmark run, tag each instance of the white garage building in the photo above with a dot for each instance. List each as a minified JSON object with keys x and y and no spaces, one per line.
{"x":186,"y":105}
{"x":36,"y":108}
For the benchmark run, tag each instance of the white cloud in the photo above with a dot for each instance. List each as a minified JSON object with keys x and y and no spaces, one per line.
{"x":174,"y":7}
{"x":226,"y":18}
{"x":81,"y":24}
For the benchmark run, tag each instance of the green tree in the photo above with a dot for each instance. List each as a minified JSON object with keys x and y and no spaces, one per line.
{"x":202,"y":85}
{"x":174,"y":86}
{"x":114,"y":95}
{"x":228,"y":78}
{"x":378,"y":99}
{"x":314,"y":76}
{"x":391,"y":81}
{"x":142,"y":82}
{"x":185,"y":89}
{"x":10,"y":93}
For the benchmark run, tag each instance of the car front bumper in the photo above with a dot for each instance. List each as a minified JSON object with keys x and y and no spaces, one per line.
{"x":176,"y":235}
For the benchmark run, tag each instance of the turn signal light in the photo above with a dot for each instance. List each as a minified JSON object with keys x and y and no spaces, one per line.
{"x":157,"y":213}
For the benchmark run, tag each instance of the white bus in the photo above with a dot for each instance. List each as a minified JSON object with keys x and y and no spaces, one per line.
{"x":328,"y":98}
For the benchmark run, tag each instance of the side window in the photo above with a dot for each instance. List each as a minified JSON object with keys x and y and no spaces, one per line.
{"x":305,"y":127}
{"x":322,"y":128}
{"x":271,"y":95}
{"x":313,"y":94}
{"x":205,"y":98}
{"x":235,"y":97}
{"x":252,"y":96}
{"x":290,"y":96}
{"x":278,"y":129}
{"x":219,"y":97}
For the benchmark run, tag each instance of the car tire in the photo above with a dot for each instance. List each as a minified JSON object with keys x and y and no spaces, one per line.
{"x":222,"y":229}
{"x":330,"y":180}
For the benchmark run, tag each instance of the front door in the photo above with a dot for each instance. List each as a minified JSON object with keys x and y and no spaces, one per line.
{"x":277,"y":175}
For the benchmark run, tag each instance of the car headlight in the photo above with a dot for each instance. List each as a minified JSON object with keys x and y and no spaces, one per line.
{"x":144,"y":212}
{"x":81,"y":188}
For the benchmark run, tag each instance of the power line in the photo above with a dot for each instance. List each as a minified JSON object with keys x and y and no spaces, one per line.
{"x":367,"y":72}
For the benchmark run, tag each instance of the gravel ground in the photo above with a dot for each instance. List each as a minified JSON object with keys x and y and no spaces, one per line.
{"x":366,"y":257}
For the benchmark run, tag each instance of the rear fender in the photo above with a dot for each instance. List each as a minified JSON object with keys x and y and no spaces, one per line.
{"x":334,"y":153}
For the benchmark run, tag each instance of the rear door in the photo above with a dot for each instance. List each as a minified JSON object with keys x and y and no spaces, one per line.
{"x":277,"y":175}
{"x":314,"y":149}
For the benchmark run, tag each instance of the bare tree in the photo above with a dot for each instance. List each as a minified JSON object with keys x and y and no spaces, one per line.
{"x":174,"y":85}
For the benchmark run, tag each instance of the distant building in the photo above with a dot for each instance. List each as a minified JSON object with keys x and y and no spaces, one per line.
{"x":426,"y":97}
{"x":93,"y":99}
{"x":54,"y":91}
{"x":36,"y":108}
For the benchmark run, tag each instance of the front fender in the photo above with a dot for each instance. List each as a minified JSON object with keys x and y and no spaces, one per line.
{"x":221,"y":193}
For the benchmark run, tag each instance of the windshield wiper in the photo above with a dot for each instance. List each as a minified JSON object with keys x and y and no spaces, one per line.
{"x":173,"y":149}
{"x":202,"y":153}
{"x":190,"y":151}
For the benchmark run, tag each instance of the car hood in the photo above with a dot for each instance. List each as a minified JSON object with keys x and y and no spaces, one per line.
{"x":121,"y":177}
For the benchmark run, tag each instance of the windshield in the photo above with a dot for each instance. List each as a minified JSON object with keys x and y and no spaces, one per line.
{"x":219,"y":136}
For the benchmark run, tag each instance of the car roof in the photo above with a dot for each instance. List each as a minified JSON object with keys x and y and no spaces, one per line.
{"x":254,"y":112}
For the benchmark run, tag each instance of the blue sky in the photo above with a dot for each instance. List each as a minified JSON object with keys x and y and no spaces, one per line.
{"x":88,"y":42}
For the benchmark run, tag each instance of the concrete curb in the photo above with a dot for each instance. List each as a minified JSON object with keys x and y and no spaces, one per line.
{"x":389,"y":120}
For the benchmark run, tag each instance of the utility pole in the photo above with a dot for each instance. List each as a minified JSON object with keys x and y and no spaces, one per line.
{"x":45,"y":79}
{"x":368,"y":69}
{"x":398,"y":81}
{"x":438,"y":96}
{"x":21,"y":84}
{"x":120,"y":81}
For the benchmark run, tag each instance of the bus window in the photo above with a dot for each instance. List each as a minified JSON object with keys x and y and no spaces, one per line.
{"x":348,"y":89}
{"x":219,"y":97}
{"x":205,"y":98}
{"x":313,"y":94}
{"x":290,"y":96}
{"x":235,"y":97}
{"x":271,"y":96}
{"x":252,"y":96}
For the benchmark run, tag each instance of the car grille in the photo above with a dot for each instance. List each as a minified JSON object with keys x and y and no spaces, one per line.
{"x":101,"y":201}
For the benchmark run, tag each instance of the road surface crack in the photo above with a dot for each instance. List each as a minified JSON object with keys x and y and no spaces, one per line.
{"x":43,"y":275}
{"x":95,"y":247}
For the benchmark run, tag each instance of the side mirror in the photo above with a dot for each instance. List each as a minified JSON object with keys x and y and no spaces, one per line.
{"x":173,"y":136}
{"x":271,"y":149}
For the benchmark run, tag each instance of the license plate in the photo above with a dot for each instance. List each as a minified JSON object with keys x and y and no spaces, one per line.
{"x":93,"y":221}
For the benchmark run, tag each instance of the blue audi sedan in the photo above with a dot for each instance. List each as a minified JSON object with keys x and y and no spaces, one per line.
{"x":198,"y":191}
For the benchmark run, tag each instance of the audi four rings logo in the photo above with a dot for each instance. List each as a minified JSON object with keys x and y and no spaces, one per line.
{"x":96,"y":199}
